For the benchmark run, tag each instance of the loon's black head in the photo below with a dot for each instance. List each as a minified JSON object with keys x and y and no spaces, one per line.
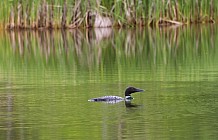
{"x":130,"y":90}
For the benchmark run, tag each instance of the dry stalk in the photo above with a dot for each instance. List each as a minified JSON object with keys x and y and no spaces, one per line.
{"x":20,"y":22}
{"x":211,"y":14}
{"x":51,"y":16}
{"x":64,"y":15}
{"x":76,"y":19}
{"x":11,"y":24}
{"x":176,"y":10}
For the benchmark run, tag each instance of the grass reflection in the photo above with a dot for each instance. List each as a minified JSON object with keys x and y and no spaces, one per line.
{"x":118,"y":51}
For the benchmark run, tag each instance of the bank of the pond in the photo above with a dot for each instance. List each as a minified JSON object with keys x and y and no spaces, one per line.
{"x":65,"y":14}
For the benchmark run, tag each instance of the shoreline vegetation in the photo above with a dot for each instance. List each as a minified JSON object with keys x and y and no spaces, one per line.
{"x":65,"y":14}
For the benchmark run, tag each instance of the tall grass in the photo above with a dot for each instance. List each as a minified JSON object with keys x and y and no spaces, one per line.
{"x":102,"y":13}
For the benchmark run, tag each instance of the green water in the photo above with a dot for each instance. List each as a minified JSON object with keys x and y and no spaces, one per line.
{"x":46,"y":79}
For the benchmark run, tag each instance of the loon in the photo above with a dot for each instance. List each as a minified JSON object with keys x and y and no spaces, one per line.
{"x":128,"y":92}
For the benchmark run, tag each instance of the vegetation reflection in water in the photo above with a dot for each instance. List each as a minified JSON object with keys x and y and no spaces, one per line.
{"x":105,"y":49}
{"x":36,"y":65}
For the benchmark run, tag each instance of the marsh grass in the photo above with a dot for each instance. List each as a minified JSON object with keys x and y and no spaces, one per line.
{"x":37,"y":14}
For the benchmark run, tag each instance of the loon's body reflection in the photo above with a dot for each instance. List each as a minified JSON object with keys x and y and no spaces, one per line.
{"x":129,"y":104}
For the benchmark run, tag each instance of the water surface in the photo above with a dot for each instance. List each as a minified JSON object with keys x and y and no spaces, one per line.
{"x":46,"y":79}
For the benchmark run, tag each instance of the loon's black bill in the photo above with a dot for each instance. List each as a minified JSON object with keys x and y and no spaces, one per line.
{"x":139,"y":90}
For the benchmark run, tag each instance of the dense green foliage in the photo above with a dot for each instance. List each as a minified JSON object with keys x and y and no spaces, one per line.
{"x":123,"y":12}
